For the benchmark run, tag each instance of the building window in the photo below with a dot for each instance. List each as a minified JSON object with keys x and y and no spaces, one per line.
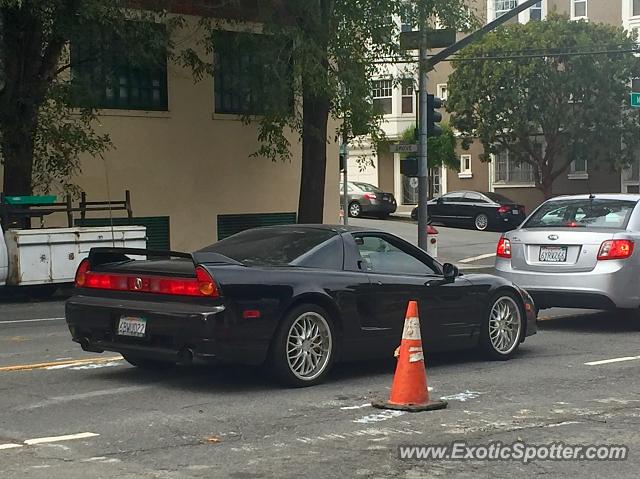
{"x":105,"y":77}
{"x":635,"y":8}
{"x":406,"y":24}
{"x":509,"y":171}
{"x":635,"y":85}
{"x":383,"y":96}
{"x":503,"y":6}
{"x":442,"y":91}
{"x":535,"y":13}
{"x":578,"y":169}
{"x":407,"y":95}
{"x":249,"y":78}
{"x":465,"y":167}
{"x":578,"y":8}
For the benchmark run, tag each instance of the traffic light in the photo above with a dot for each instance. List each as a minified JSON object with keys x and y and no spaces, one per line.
{"x":433,"y":117}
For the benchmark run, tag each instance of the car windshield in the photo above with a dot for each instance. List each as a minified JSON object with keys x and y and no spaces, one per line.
{"x":592,"y":213}
{"x":498,"y":198}
{"x":368,"y":188}
{"x":270,"y":246}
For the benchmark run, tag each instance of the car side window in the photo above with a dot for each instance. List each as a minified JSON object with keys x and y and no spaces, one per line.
{"x":452,"y":197}
{"x":380,"y":256}
{"x":475,"y":198}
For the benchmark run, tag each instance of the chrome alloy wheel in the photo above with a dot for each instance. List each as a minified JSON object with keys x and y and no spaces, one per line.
{"x":505,"y":325}
{"x":309,"y":346}
{"x":481,"y":222}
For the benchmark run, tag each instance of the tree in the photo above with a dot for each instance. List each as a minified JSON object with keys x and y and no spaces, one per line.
{"x":441,"y":149}
{"x":548,"y":93}
{"x":335,"y":51}
{"x":42,"y":132}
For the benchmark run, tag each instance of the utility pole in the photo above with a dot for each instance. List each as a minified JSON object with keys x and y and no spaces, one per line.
{"x":345,"y":193}
{"x":423,"y":164}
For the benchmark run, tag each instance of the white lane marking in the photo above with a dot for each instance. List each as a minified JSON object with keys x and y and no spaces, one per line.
{"x":614,"y":360}
{"x":477,"y":258}
{"x":383,"y":416}
{"x":376,"y":433}
{"x":88,"y":395}
{"x":84,"y":365}
{"x":31,"y":320}
{"x":10,"y":446}
{"x":463,"y":396}
{"x":565,"y":423}
{"x":347,"y":408}
{"x":68,"y":437}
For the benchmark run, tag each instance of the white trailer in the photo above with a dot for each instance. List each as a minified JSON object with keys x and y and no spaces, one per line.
{"x":50,"y":256}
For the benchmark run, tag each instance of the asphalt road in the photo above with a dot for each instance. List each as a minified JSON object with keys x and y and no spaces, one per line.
{"x":102,"y":418}
{"x":67,"y":414}
{"x":468,"y":248}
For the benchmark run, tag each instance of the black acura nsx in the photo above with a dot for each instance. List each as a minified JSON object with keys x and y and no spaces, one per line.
{"x":297,"y":297}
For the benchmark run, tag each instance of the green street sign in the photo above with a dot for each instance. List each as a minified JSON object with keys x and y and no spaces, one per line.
{"x":635,"y":99}
{"x":440,"y":38}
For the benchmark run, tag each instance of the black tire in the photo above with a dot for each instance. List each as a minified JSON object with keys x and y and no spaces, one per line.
{"x":481,"y":222}
{"x":279,"y":361}
{"x":487,"y":345}
{"x":355,"y":210}
{"x":148,"y":364}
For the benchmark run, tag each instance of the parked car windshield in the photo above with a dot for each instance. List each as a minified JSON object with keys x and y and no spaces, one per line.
{"x":498,"y":198}
{"x":592,"y":213}
{"x":368,"y":188}
{"x":270,"y":246}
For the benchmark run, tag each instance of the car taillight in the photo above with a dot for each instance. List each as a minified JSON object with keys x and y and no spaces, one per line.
{"x":81,"y":273}
{"x":202,"y":285}
{"x":615,"y":249}
{"x":504,"y":248}
{"x":522,"y":210}
{"x":370,"y":196}
{"x":504,"y":209}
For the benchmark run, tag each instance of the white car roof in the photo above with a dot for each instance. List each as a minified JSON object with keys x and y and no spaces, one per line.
{"x":605,"y":196}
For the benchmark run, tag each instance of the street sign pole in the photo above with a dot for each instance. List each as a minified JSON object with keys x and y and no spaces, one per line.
{"x":345,"y":193}
{"x":423,"y":166}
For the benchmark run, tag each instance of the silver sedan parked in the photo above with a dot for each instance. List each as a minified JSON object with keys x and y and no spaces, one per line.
{"x":577,"y":252}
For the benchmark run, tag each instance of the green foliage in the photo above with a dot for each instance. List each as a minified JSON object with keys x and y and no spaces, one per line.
{"x":574,"y":104}
{"x":42,"y":133}
{"x":441,"y":150}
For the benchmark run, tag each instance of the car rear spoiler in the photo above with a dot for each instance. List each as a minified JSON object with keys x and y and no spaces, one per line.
{"x":105,"y":255}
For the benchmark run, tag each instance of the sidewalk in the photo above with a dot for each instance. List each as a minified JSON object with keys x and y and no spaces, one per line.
{"x":403,"y":212}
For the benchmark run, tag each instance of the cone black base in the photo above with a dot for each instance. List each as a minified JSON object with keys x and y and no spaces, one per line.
{"x":430,"y":406}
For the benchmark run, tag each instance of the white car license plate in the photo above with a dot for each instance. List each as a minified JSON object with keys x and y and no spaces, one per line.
{"x":515,"y":212}
{"x":553,"y":254}
{"x":129,"y":326}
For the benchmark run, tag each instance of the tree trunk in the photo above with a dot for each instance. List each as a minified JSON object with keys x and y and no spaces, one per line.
{"x":18,"y":135}
{"x":314,"y":158}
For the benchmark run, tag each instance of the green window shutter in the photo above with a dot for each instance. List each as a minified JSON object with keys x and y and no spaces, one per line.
{"x":231,"y":224}
{"x":158,"y":228}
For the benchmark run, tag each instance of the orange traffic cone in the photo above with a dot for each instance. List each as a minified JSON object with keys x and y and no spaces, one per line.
{"x":409,"y":389}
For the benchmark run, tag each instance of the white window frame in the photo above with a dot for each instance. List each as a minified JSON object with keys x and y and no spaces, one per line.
{"x":465,"y":167}
{"x":382,"y":89}
{"x":573,"y":10}
{"x":540,"y":8}
{"x":504,"y":4}
{"x":575,"y":174}
{"x":508,"y":184}
{"x":403,"y":95}
{"x":442,"y":91}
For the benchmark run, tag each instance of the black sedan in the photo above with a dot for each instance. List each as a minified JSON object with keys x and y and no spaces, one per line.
{"x":297,"y":297}
{"x":483,"y":211}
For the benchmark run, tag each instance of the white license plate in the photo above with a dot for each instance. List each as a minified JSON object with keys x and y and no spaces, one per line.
{"x":553,"y":254}
{"x":515,"y":212}
{"x":135,"y":327}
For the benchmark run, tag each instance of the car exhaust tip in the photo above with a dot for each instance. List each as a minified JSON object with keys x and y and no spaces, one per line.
{"x":185,"y":356}
{"x":85,"y":344}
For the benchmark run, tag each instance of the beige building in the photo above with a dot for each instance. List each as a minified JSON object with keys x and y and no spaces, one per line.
{"x":500,"y":175}
{"x":185,"y":155}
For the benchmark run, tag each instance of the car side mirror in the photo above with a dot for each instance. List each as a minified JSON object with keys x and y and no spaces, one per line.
{"x":450,"y":272}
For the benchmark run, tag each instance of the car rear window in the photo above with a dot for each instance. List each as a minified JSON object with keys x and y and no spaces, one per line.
{"x":591,"y":213}
{"x":368,"y":188}
{"x":498,"y":198}
{"x":271,"y":246}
